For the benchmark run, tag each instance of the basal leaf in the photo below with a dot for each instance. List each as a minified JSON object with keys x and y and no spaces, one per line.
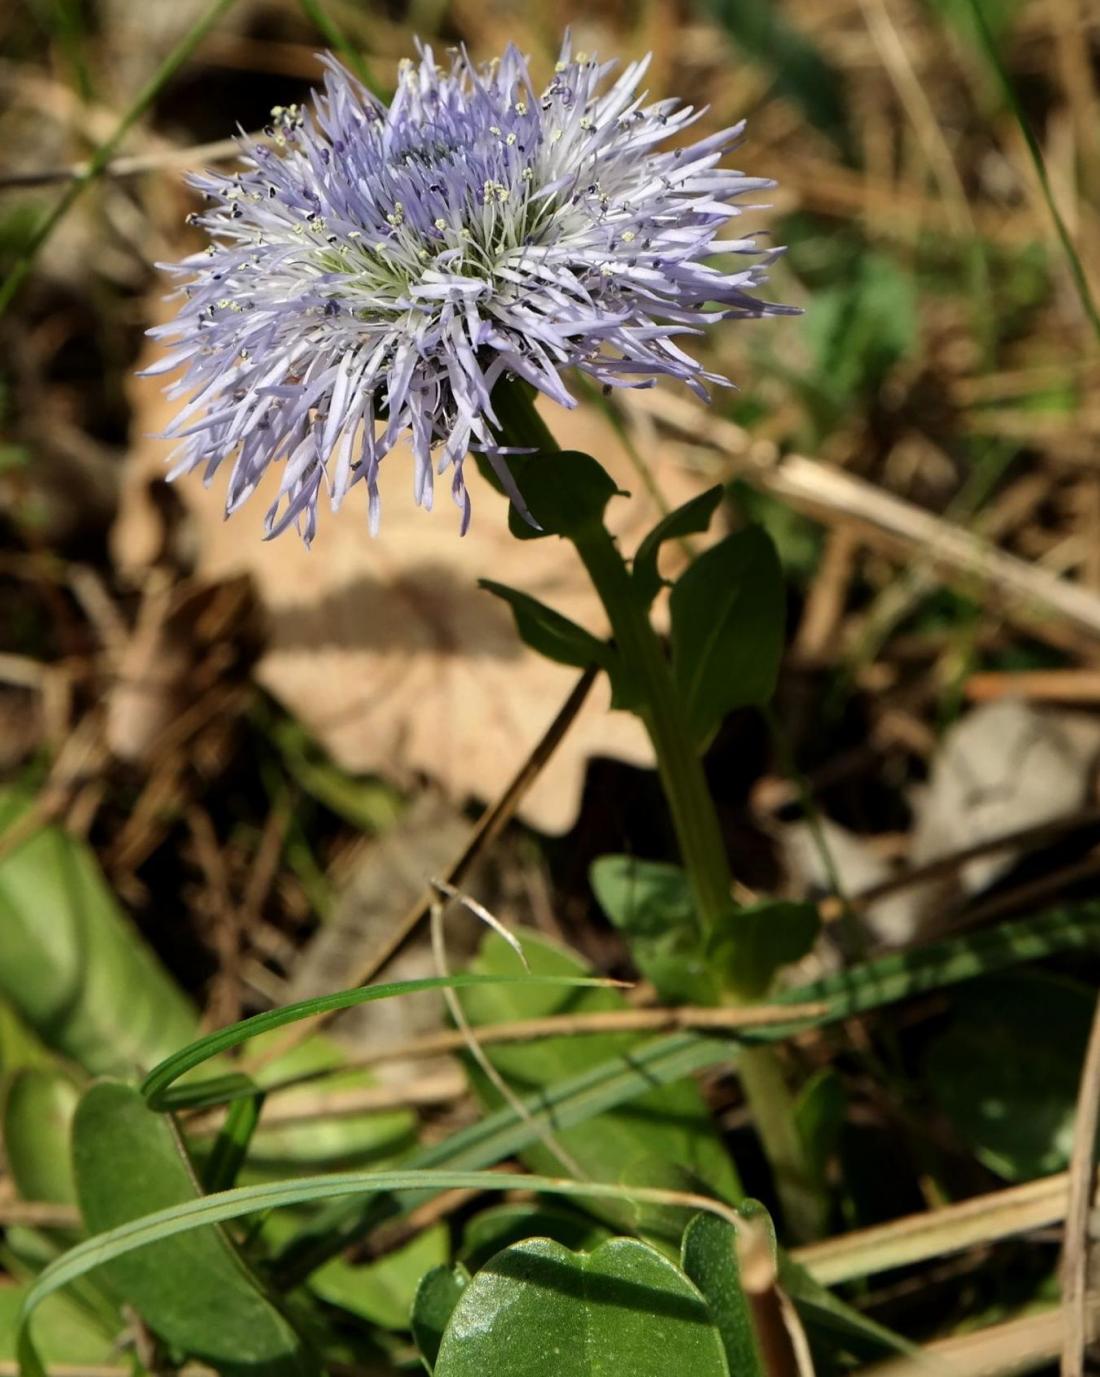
{"x":38,"y":1112}
{"x":383,"y":1292}
{"x":624,"y":1308}
{"x":651,"y":904}
{"x":709,"y":1258}
{"x":194,"y":1290}
{"x":670,"y":1122}
{"x":760,"y":939}
{"x":1006,"y":1070}
{"x":72,"y":965}
{"x":436,"y":1297}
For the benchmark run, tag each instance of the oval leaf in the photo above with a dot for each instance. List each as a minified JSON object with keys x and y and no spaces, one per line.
{"x":193,"y":1290}
{"x":435,"y":1300}
{"x":537,"y":1307}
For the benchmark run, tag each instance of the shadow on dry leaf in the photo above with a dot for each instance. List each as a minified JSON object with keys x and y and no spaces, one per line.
{"x":386,"y":649}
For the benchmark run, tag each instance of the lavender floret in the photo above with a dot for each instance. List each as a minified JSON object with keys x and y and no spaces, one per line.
{"x":378,"y":270}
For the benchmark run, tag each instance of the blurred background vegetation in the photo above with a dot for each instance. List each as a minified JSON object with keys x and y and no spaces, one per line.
{"x":229,"y":767}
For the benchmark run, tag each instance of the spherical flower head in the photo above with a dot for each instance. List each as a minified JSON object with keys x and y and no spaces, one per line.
{"x":374,"y":271}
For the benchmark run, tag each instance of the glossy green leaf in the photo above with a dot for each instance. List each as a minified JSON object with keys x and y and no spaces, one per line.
{"x":548,"y":632}
{"x":690,"y":519}
{"x":709,"y":1258}
{"x":728,"y":619}
{"x":197,"y":1214}
{"x":670,"y":1122}
{"x":537,"y":1307}
{"x":38,"y":1113}
{"x":436,"y":1297}
{"x":160,"y":1081}
{"x":72,"y":965}
{"x":651,"y":904}
{"x":383,"y":1292}
{"x":1007,"y":1069}
{"x":761,"y":939}
{"x":194,"y":1291}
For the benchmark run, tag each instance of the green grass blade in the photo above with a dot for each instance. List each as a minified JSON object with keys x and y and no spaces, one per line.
{"x":901,"y":975}
{"x":103,"y":154}
{"x":1073,"y":258}
{"x":157,"y":1082}
{"x":231,"y":1145}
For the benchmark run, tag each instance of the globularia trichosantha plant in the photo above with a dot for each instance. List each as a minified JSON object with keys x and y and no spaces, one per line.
{"x":421,"y":271}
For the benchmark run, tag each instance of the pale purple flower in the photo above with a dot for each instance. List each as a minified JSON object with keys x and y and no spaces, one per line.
{"x":378,"y":270}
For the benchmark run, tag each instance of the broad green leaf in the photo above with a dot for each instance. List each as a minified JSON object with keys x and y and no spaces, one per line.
{"x":72,"y":965}
{"x":195,"y":1291}
{"x":501,"y":1225}
{"x":761,"y":939}
{"x":537,"y":1307}
{"x":1007,"y":1069}
{"x":566,"y":493}
{"x":662,"y":1224}
{"x":38,"y":1112}
{"x":690,"y":519}
{"x":436,"y":1297}
{"x":548,"y":632}
{"x":315,"y":1139}
{"x":670,"y":1122}
{"x":651,"y":904}
{"x":383,"y":1292}
{"x":198,"y":1214}
{"x":728,"y":623}
{"x":709,"y":1258}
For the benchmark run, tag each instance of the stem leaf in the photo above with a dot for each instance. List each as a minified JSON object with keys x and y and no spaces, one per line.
{"x":550,"y":633}
{"x":728,"y":619}
{"x":690,"y":519}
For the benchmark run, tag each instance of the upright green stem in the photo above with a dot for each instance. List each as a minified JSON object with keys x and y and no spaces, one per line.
{"x":694,"y":818}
